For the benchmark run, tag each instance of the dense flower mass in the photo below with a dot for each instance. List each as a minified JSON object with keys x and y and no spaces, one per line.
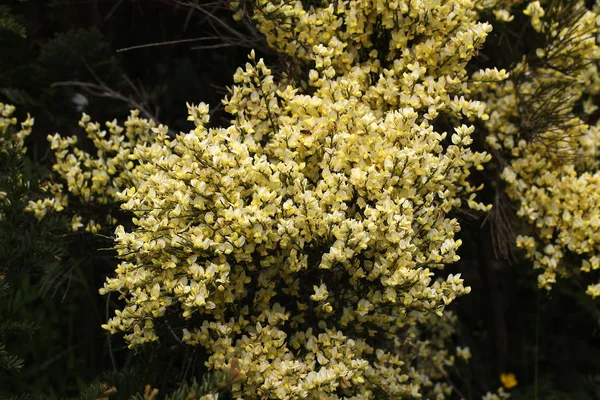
{"x":551,"y":172}
{"x":302,"y":240}
{"x":94,"y":179}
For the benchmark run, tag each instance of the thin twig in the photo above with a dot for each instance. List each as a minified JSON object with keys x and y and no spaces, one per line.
{"x":174,"y":335}
{"x":108,"y":337}
{"x":214,"y":18}
{"x":454,"y":387}
{"x":169,"y":42}
{"x":103,"y":91}
{"x":113,"y":9}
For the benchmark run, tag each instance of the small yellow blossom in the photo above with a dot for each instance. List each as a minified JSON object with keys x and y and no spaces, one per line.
{"x":509,"y":380}
{"x":464,"y":353}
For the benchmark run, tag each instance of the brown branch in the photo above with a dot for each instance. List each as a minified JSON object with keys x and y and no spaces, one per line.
{"x":170,"y":42}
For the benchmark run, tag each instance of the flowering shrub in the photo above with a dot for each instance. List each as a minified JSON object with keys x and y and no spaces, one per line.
{"x":302,"y":240}
{"x":82,"y":180}
{"x":12,"y":143}
{"x":552,"y":169}
{"x":10,"y":138}
{"x":297,"y":250}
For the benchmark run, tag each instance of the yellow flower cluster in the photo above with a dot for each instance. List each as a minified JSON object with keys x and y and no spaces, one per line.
{"x":12,"y":141}
{"x":552,"y":167}
{"x":500,"y":394}
{"x":11,"y":137}
{"x":413,"y":53}
{"x":302,"y":240}
{"x":82,"y":180}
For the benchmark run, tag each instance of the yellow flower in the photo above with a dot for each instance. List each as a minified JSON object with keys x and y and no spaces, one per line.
{"x":509,"y":380}
{"x":464,"y":353}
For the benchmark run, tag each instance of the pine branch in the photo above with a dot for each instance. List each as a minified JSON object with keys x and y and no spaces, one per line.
{"x":9,"y":23}
{"x":8,"y":361}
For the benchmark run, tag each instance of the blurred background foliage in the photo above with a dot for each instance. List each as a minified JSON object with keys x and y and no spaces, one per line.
{"x":59,"y":58}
